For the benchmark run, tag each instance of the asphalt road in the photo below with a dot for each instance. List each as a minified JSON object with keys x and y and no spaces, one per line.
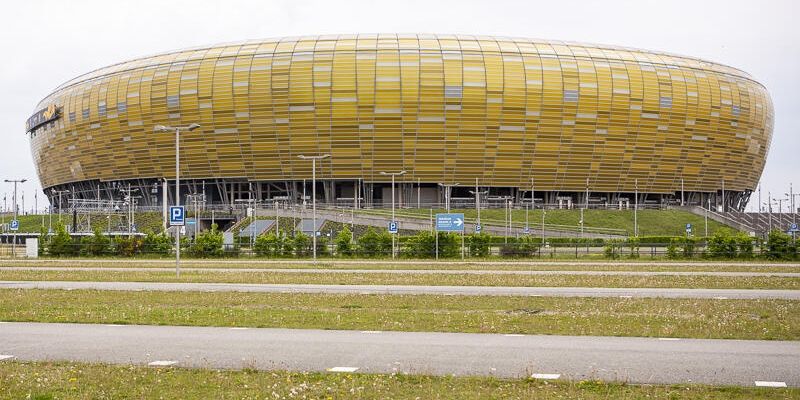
{"x":635,"y":360}
{"x":407,"y":289}
{"x":415,"y":271}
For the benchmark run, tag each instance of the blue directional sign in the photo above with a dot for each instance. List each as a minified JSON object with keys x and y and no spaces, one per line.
{"x":14,"y":225}
{"x":393,"y":227}
{"x":450,"y":222}
{"x":478,"y":228}
{"x":177,"y":216}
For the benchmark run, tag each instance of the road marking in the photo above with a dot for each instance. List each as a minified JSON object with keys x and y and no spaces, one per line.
{"x":162,"y":363}
{"x":771,"y":384}
{"x":513,"y":335}
{"x":670,"y":339}
{"x":6,"y":357}
{"x":343,"y":369}
{"x":238,"y":328}
{"x":720,"y":298}
{"x":546,"y":376}
{"x":370,"y":332}
{"x":114,"y":325}
{"x":625,"y":297}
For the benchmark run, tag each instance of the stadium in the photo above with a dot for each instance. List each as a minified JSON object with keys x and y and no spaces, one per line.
{"x":521,"y":119}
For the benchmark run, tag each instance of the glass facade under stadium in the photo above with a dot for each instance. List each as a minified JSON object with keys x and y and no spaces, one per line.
{"x":563,"y":119}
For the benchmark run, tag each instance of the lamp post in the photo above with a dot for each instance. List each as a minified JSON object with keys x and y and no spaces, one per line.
{"x":447,"y":195}
{"x":393,"y":174}
{"x":478,"y":194}
{"x":313,"y":196}
{"x":14,"y":202}
{"x":635,"y":208}
{"x":177,"y":130}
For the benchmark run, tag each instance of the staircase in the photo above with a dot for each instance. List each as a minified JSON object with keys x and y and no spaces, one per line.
{"x":759,"y":223}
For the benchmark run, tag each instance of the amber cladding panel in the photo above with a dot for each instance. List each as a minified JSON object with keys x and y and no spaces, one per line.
{"x":445,"y":108}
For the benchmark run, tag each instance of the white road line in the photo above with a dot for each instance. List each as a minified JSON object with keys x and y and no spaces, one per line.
{"x":625,"y":297}
{"x":114,"y":325}
{"x":343,"y":369}
{"x":162,"y":363}
{"x":670,"y":339}
{"x":239,"y":328}
{"x":6,"y":357}
{"x":720,"y":298}
{"x":513,"y":335}
{"x":370,"y":332}
{"x":771,"y":384}
{"x":546,"y":376}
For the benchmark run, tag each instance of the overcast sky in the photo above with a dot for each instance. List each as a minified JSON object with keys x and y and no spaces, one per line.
{"x":44,"y":43}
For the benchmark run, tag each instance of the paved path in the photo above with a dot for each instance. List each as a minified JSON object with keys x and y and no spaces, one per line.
{"x":408,"y":289}
{"x":414,"y":271}
{"x":636,"y":360}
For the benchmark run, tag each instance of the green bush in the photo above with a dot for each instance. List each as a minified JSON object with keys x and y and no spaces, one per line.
{"x":287,"y":246}
{"x":207,"y":243}
{"x":127,"y":247}
{"x":158,"y":243}
{"x":421,"y":245}
{"x":612,"y":248}
{"x":780,"y":246}
{"x":344,"y":243}
{"x":722,"y":244}
{"x":61,"y":244}
{"x":674,"y":248}
{"x":374,"y":244}
{"x":268,"y":245}
{"x":633,"y":245}
{"x":689,"y":246}
{"x":96,"y":245}
{"x":479,"y":244}
{"x":745,"y":244}
{"x":302,"y":244}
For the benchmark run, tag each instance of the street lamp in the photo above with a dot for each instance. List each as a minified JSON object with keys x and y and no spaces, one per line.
{"x":177,"y":130}
{"x":478,"y":194}
{"x":14,"y":202}
{"x":393,"y":174}
{"x":447,"y":194}
{"x":313,"y":195}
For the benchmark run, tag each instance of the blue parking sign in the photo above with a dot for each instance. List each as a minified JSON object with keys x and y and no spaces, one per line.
{"x":14,"y":225}
{"x":478,"y":228}
{"x":177,"y":216}
{"x":393,"y":227}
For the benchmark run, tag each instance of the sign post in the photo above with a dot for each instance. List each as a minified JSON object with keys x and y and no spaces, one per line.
{"x":449,"y":222}
{"x":177,"y":218}
{"x":688,"y":229}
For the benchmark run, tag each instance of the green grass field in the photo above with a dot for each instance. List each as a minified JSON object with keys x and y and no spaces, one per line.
{"x":507,"y":265}
{"x":61,"y":380}
{"x":454,"y":279}
{"x":688,"y":318}
{"x":651,"y":222}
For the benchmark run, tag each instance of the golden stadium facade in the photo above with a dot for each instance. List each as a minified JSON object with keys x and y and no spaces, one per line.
{"x":564,"y":118}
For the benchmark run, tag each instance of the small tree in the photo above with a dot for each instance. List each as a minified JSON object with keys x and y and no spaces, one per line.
{"x":44,"y":240}
{"x":479,"y":244}
{"x":344,"y":242}
{"x":374,"y":244}
{"x":745,"y":244}
{"x":157,"y":243}
{"x":722,"y":244}
{"x":780,"y":246}
{"x":96,"y":245}
{"x":673,"y":249}
{"x":633,"y":244}
{"x":127,"y":247}
{"x":302,"y":245}
{"x":61,"y":244}
{"x":268,"y":245}
{"x":287,"y":246}
{"x":207,"y":244}
{"x":421,"y":245}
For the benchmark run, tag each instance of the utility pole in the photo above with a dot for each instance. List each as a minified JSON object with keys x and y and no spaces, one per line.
{"x":313,"y":195}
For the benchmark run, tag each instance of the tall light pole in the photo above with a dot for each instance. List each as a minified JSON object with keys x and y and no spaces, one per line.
{"x":447,"y":189}
{"x":14,"y":202}
{"x":313,"y":196}
{"x":478,"y":194}
{"x":393,"y":174}
{"x":177,"y":130}
{"x":635,"y":208}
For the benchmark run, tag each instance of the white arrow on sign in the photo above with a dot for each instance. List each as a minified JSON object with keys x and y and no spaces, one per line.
{"x":458,"y":222}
